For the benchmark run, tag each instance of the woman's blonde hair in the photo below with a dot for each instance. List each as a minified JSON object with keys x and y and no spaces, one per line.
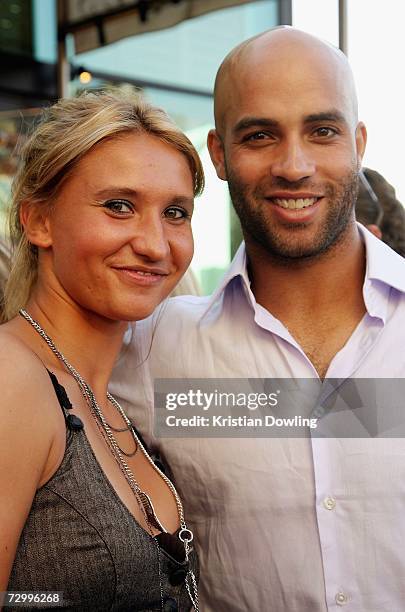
{"x":66,"y":132}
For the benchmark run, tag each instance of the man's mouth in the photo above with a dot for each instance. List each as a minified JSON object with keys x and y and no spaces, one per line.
{"x":295,"y":203}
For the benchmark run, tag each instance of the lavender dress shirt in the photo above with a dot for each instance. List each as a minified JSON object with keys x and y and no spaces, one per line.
{"x":283,"y":525}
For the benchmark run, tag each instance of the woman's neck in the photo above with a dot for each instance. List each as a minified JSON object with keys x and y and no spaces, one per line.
{"x":88,"y":341}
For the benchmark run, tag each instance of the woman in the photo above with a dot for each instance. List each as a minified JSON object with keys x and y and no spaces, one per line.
{"x":101,"y":223}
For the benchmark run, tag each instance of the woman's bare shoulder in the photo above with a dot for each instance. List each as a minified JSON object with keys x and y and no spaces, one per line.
{"x":27,"y":391}
{"x":29,"y":430}
{"x":16,"y":354}
{"x":11,"y":341}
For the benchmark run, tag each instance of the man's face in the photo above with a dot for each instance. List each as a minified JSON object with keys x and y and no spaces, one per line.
{"x":291,"y":154}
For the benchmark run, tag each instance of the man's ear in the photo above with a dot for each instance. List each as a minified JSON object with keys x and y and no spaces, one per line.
{"x":216,"y":149}
{"x":35,"y":220}
{"x":361,"y":141}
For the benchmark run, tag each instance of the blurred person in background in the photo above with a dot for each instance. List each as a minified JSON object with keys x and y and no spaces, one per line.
{"x":379,"y":210}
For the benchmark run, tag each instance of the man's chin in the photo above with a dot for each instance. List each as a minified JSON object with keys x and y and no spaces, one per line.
{"x":296,"y":254}
{"x":294,"y":249}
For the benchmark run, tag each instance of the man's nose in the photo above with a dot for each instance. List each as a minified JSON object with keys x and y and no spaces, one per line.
{"x":149,"y":239}
{"x":293,"y":161}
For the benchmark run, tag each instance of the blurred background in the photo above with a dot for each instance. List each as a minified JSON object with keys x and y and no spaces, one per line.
{"x":171,"y":49}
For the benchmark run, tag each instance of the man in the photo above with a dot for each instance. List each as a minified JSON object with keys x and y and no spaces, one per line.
{"x":287,"y":525}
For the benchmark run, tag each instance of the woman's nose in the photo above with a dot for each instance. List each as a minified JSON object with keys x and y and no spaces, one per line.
{"x":149,"y":239}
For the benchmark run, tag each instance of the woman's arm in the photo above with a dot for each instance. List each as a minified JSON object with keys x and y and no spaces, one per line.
{"x":27,"y":431}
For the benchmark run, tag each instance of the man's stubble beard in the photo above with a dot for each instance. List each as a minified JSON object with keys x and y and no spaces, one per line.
{"x":257,"y":229}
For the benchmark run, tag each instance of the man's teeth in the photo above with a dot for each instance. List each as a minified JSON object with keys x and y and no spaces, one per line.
{"x":145,"y":273}
{"x":294,"y":204}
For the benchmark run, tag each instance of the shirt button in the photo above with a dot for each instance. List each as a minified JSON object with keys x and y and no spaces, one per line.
{"x":341,"y":598}
{"x":329,"y":503}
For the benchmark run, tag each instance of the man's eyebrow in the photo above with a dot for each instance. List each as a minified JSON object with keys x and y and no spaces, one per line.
{"x":260,"y":122}
{"x":333,"y":115}
{"x":266,"y":122}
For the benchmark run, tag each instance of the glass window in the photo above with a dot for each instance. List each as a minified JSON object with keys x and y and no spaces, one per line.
{"x":45,"y":33}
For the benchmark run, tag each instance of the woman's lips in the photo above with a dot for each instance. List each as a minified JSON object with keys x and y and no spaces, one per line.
{"x":145,"y":278}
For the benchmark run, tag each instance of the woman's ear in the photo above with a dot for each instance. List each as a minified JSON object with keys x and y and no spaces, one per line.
{"x":35,"y":220}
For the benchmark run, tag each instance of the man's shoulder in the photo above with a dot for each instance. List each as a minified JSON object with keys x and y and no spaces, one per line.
{"x":178,"y":317}
{"x":178,"y":311}
{"x":190,"y":305}
{"x":172,"y":340}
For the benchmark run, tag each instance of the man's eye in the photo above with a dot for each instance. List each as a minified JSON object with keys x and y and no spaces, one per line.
{"x":176,"y":213}
{"x":257,"y":136}
{"x":119,"y":206}
{"x":325,"y":132}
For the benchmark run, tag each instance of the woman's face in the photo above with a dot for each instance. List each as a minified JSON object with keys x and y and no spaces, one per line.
{"x":120,"y":228}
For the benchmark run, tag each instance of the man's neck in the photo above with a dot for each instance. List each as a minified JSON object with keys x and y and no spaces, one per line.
{"x":309,"y":284}
{"x":319,"y":300}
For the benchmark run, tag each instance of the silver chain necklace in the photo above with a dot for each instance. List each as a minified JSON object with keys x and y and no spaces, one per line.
{"x":144,"y":501}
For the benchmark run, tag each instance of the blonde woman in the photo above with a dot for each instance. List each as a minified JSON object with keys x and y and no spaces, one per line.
{"x":101,"y":226}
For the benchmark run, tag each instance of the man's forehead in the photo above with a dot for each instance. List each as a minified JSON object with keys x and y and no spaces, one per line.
{"x":285,"y":70}
{"x":288,"y":98}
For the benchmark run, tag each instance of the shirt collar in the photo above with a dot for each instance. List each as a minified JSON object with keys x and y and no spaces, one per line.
{"x":238,"y":269}
{"x":383,"y":266}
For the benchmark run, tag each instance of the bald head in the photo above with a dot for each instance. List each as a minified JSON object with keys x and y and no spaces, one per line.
{"x":289,"y":144}
{"x":281,"y":53}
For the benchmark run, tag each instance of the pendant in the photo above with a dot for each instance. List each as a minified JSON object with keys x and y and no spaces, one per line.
{"x":150,"y":511}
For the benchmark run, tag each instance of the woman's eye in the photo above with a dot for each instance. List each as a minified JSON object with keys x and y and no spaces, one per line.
{"x":119,"y":206}
{"x":176,"y":213}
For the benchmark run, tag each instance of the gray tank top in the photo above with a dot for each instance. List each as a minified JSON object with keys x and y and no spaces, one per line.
{"x":81,"y":540}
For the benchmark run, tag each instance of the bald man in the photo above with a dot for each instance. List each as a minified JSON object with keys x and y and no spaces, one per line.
{"x":282,"y":524}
